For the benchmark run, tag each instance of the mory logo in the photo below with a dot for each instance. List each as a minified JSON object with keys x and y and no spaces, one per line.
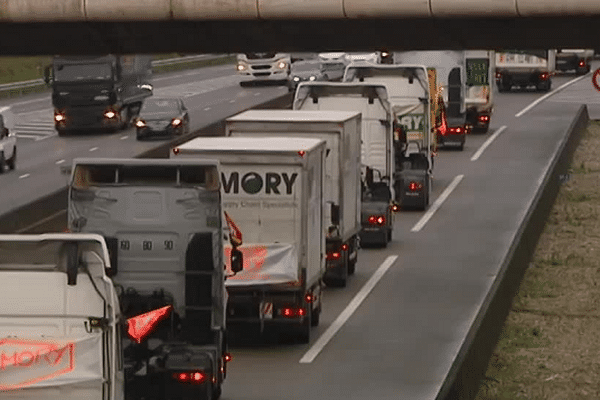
{"x":25,"y":362}
{"x":253,"y":182}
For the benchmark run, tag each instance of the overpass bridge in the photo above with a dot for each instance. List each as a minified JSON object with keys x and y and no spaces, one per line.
{"x":32,"y":27}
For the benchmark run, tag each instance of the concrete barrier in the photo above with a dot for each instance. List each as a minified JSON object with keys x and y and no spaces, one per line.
{"x":44,"y":214}
{"x":470,"y":365}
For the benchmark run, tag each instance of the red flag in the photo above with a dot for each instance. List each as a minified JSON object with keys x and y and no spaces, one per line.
{"x":140,"y":326}
{"x":235,"y":235}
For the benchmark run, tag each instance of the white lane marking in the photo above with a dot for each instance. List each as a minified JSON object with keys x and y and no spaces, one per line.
{"x":124,"y":137}
{"x":438,"y":203}
{"x":59,"y":162}
{"x":20,"y":135}
{"x":544,"y":97}
{"x":41,"y":221}
{"x":24,"y":176}
{"x":231,"y":101}
{"x":44,"y":137}
{"x":316,"y":348}
{"x":487,"y":143}
{"x":93,"y":149}
{"x":207,"y":108}
{"x":257,"y":94}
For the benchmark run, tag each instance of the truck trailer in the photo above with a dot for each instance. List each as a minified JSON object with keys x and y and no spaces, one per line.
{"x":524,"y":68}
{"x":341,"y":132}
{"x":481,"y":82}
{"x":60,"y":325}
{"x":376,"y":148}
{"x":410,"y":96}
{"x":450,"y":71}
{"x":273,"y":190}
{"x":162,"y":221}
{"x":98,"y":92}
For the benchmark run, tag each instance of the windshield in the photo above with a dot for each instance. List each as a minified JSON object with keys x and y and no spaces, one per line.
{"x":82,"y":72}
{"x":38,"y":255}
{"x":160,"y":105}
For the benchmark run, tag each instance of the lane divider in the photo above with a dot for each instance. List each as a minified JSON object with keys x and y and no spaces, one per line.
{"x":438,"y":203}
{"x":316,"y":348}
{"x":487,"y":143}
{"x":544,"y":97}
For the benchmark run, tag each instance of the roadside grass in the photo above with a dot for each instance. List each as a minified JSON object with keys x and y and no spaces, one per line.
{"x":548,"y":347}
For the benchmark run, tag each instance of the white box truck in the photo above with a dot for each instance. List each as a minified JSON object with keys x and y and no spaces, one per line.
{"x":264,"y":68}
{"x":377,"y":147}
{"x":341,"y":132}
{"x":525,"y":68}
{"x":451,"y":80}
{"x":273,"y":191}
{"x":60,"y":332}
{"x":481,"y":82}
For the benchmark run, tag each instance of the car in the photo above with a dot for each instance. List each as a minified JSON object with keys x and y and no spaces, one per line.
{"x":8,"y":140}
{"x":161,"y":116}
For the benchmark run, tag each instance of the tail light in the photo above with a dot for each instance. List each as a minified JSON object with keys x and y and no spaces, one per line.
{"x":308,"y":298}
{"x":376,"y":219}
{"x":544,"y":76}
{"x":457,"y":130}
{"x":395,"y":207}
{"x":176,"y":150}
{"x":110,"y":114}
{"x":414,"y":186}
{"x":582,"y":63}
{"x":290,"y":312}
{"x":194,"y":377}
{"x":227,"y":357}
{"x":334,"y":255}
{"x":484,"y":118}
{"x":59,"y":117}
{"x":498,"y":75}
{"x":344,"y":247}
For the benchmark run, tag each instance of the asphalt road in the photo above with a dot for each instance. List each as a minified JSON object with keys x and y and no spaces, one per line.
{"x":400,"y":341}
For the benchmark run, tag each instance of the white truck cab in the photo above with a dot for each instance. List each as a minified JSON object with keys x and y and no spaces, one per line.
{"x":8,"y":140}
{"x":60,"y":321}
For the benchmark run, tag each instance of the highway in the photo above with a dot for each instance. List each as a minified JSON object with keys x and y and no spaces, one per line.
{"x":419,"y":295}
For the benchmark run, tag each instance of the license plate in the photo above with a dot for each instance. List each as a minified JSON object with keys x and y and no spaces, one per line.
{"x":266,"y":310}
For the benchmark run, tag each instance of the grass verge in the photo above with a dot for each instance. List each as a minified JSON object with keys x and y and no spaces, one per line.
{"x":548,"y":347}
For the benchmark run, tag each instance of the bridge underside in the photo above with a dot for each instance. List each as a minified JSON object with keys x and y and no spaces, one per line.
{"x":297,"y":35}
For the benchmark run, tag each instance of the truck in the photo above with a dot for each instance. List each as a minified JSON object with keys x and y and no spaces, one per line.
{"x":341,"y":132}
{"x":332,"y":66}
{"x":480,"y":79}
{"x":273,"y":191}
{"x":270,"y":67}
{"x":162,"y":222}
{"x":376,"y":148}
{"x":578,"y":60}
{"x":450,"y":71}
{"x":525,"y":68}
{"x":8,"y":140}
{"x":417,"y":109}
{"x":61,"y":324}
{"x":98,"y":92}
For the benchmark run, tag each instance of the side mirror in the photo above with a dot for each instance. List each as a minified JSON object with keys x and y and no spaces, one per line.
{"x":335,"y":214}
{"x":72,"y":254}
{"x":47,"y":77}
{"x":237,"y":260}
{"x":369,"y":177}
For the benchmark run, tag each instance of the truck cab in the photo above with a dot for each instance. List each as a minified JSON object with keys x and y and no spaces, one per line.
{"x":8,"y":140}
{"x":264,"y":68}
{"x":60,"y":329}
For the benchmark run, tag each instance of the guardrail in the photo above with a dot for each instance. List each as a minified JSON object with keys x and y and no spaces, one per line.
{"x":21,"y":87}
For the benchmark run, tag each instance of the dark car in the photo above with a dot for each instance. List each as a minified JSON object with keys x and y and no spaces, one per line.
{"x":162,"y":116}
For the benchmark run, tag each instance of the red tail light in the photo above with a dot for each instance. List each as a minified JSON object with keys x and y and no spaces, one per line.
{"x":140,"y":326}
{"x":544,"y":76}
{"x":195,"y":377}
{"x":498,"y":75}
{"x":395,"y":207}
{"x":377,"y":220}
{"x":333,"y":255}
{"x":308,"y":298}
{"x":456,"y":130}
{"x":414,"y":186}
{"x":176,"y":150}
{"x":301,"y":153}
{"x":227,"y":357}
{"x":484,"y":118}
{"x":582,"y":63}
{"x":344,"y":247}
{"x":290,"y":312}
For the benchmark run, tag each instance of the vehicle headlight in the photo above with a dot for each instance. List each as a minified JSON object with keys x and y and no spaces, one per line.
{"x":176,"y":121}
{"x":140,"y":123}
{"x":241,"y":67}
{"x":312,"y":78}
{"x":109,"y":114}
{"x":281,"y":65}
{"x":296,"y":79}
{"x":59,"y":117}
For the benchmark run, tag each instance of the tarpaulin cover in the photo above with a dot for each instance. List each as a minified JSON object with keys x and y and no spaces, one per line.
{"x":270,"y":263}
{"x":35,"y":367}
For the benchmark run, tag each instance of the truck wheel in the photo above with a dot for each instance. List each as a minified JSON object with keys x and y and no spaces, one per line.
{"x":337,"y":282}
{"x":389,"y":235}
{"x":2,"y":163}
{"x":216,"y":392}
{"x":12,"y":162}
{"x":352,"y":267}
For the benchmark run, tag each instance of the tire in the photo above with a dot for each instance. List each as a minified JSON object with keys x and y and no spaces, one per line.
{"x":304,"y":334}
{"x":336,"y":282}
{"x":2,"y":163}
{"x":216,"y":391}
{"x":139,"y":136}
{"x":61,"y":132}
{"x":462,"y":146}
{"x":12,"y":163}
{"x":352,"y":266}
{"x":389,"y":235}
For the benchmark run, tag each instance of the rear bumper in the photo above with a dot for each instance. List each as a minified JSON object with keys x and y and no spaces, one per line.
{"x":373,"y":235}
